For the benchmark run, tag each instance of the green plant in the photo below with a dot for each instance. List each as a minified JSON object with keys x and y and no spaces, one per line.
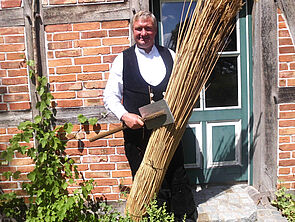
{"x":49,"y":198}
{"x":285,"y":202}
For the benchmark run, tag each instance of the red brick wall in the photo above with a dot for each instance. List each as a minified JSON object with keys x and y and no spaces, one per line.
{"x":14,"y":90}
{"x":286,"y":155}
{"x":76,"y":2}
{"x":79,"y":57}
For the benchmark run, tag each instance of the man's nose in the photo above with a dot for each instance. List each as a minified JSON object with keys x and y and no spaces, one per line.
{"x":143,"y":32}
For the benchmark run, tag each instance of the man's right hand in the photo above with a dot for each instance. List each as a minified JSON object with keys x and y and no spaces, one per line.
{"x":132,"y":120}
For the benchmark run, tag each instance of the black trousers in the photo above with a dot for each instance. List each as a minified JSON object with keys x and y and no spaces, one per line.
{"x":175,"y":190}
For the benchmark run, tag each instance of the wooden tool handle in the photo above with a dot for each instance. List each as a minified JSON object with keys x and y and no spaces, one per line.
{"x":104,"y":134}
{"x":123,"y":126}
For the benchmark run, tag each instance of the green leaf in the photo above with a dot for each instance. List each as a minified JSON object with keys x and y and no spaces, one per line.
{"x":16,"y":175}
{"x":41,"y":91}
{"x":64,"y":185}
{"x":92,"y":121}
{"x":81,"y":118}
{"x":31,"y":63}
{"x":37,"y":119}
{"x":68,"y":127}
{"x":7,"y":174}
{"x":32,"y":176}
{"x":42,"y":106}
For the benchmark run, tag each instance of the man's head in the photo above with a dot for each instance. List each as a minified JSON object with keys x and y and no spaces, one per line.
{"x":144,"y":27}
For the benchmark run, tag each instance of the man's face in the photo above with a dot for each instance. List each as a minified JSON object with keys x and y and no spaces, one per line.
{"x":144,"y":33}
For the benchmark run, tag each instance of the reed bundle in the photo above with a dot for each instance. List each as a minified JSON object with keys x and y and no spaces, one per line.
{"x":202,"y":36}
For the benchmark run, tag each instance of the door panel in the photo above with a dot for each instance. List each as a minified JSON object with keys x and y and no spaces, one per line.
{"x":216,"y":138}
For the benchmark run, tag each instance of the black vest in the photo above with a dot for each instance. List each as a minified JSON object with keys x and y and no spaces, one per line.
{"x":135,"y":89}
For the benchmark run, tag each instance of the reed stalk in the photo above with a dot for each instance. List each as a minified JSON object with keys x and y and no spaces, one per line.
{"x":203,"y":34}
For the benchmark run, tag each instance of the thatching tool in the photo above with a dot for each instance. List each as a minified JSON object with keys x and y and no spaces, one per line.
{"x":154,"y":115}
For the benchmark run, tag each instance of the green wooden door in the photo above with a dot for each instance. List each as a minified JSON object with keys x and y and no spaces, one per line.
{"x":217,"y":137}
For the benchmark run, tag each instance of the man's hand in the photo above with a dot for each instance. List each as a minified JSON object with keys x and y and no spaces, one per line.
{"x":132,"y":120}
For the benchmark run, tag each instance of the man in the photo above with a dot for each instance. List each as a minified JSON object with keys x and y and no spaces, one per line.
{"x":138,"y":76}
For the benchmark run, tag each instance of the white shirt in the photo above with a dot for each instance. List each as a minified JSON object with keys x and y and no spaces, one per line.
{"x":152,"y":70}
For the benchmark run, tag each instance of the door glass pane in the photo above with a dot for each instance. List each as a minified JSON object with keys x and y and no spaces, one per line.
{"x":222,"y":86}
{"x":171,"y":15}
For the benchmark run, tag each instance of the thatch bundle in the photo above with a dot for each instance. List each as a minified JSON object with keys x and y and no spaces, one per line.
{"x":206,"y":33}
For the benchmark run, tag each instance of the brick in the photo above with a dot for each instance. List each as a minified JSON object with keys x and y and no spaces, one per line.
{"x":2,"y":73}
{"x":284,"y":170}
{"x":118,"y":158}
{"x":96,"y":68}
{"x":89,"y":93}
{"x":87,"y":60}
{"x":284,"y":139}
{"x":76,"y":152}
{"x":64,"y":95}
{"x":103,"y":182}
{"x":291,"y":82}
{"x":16,"y":97}
{"x":286,"y":123}
{"x":283,"y":66}
{"x":123,"y":166}
{"x":3,"y":107}
{"x":68,"y":53}
{"x":11,"y":3}
{"x":15,"y":56}
{"x":94,"y":34}
{"x":58,"y":28}
{"x":114,"y":24}
{"x":25,"y":169}
{"x":95,"y":84}
{"x":282,"y":83}
{"x":96,"y":51}
{"x":102,"y":167}
{"x":8,"y":185}
{"x":82,"y":167}
{"x":5,"y":138}
{"x":284,"y":33}
{"x":12,"y":47}
{"x":102,"y":151}
{"x":109,"y":59}
{"x":68,"y":86}
{"x":49,"y":37}
{"x":61,"y":2}
{"x":121,"y":173}
{"x":285,"y":155}
{"x":287,"y":107}
{"x":18,"y":89}
{"x":11,"y":30}
{"x":94,"y":102}
{"x":15,"y":131}
{"x":95,"y":159}
{"x":3,"y":89}
{"x":1,"y":39}
{"x":97,"y":174}
{"x":10,"y":65}
{"x":287,"y":147}
{"x":62,"y":78}
{"x":116,"y":142}
{"x":286,"y":49}
{"x":285,"y":41}
{"x":290,"y":162}
{"x":14,"y":81}
{"x":59,"y":62}
{"x":68,"y":69}
{"x":292,"y":66}
{"x":287,"y":115}
{"x":120,"y":150}
{"x":69,"y":103}
{"x":59,"y":45}
{"x":21,"y":162}
{"x":284,"y":58}
{"x":14,"y":39}
{"x":2,"y":57}
{"x":17,"y":72}
{"x":89,"y":76}
{"x":109,"y":197}
{"x":50,"y":55}
{"x":96,"y":143}
{"x":102,"y":190}
{"x":287,"y":178}
{"x":87,"y":43}
{"x":282,"y":25}
{"x":86,"y":26}
{"x":115,"y":41}
{"x":66,"y":36}
{"x":119,"y":32}
{"x":2,"y":130}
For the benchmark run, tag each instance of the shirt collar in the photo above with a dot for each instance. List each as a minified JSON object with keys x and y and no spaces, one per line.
{"x":143,"y":52}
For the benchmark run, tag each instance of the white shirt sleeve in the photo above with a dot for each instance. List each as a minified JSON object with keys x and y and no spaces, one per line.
{"x":114,"y":89}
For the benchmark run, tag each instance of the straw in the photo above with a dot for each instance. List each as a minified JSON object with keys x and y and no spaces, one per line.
{"x":199,"y":42}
